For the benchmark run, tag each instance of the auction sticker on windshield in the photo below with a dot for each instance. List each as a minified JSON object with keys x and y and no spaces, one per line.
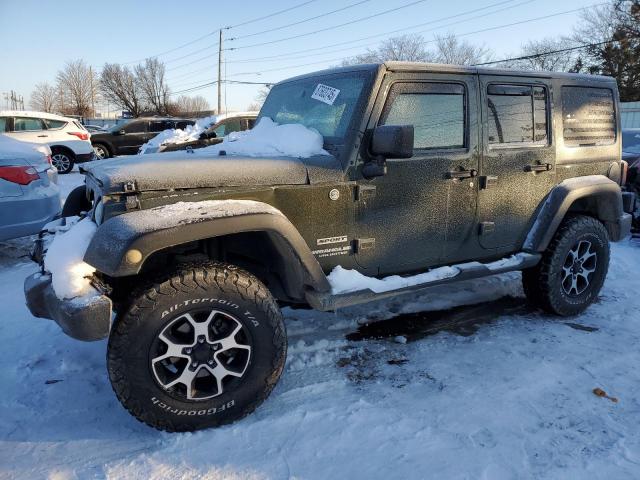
{"x":325,"y":94}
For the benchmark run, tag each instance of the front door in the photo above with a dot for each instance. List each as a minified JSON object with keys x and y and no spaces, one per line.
{"x":518,"y":162}
{"x":425,"y":205}
{"x":135,"y":134}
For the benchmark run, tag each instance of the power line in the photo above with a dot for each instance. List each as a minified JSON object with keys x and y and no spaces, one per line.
{"x":357,"y":20}
{"x":404,"y":29}
{"x":213,"y":32}
{"x":281,"y":27}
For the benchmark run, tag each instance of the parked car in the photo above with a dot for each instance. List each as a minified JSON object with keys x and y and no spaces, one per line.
{"x":29,"y":195}
{"x":631,"y":154}
{"x":213,"y":134}
{"x":95,"y":128}
{"x":126,"y":138}
{"x":67,"y":137}
{"x":397,"y":177}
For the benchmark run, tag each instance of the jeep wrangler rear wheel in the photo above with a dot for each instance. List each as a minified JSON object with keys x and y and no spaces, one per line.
{"x":573,"y":268}
{"x":201,"y":348}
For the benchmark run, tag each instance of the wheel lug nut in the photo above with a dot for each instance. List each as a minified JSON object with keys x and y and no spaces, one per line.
{"x":200,"y":339}
{"x":187,"y":350}
{"x":210,"y":362}
{"x":194,"y":364}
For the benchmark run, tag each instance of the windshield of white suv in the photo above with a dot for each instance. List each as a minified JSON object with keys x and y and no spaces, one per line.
{"x":326,"y":103}
{"x":631,"y":141}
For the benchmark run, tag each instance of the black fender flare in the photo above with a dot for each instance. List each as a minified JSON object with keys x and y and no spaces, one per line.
{"x":123,"y":243}
{"x":601,"y":197}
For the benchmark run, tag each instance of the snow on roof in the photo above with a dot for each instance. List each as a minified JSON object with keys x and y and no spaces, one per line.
{"x":31,"y":113}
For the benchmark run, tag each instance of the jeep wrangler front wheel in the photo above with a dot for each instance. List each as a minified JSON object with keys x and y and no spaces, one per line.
{"x":201,"y":348}
{"x":573,"y":268}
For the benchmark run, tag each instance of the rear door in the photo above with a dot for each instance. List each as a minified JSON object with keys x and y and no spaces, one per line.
{"x":518,"y":167}
{"x":409,"y":218}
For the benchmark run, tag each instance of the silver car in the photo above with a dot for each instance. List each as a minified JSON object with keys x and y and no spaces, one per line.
{"x":29,"y":194}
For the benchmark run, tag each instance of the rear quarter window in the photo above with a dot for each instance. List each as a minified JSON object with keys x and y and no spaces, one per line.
{"x":588,"y":116}
{"x":54,"y":124}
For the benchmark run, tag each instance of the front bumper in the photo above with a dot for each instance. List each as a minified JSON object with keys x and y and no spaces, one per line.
{"x":86,"y":320}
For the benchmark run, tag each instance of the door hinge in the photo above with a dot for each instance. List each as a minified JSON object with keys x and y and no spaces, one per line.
{"x":365,"y":192}
{"x":487,"y":228}
{"x":487,"y":181}
{"x":363,"y":244}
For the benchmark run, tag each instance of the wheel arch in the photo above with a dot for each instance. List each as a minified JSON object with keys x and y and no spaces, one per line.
{"x":64,"y":149}
{"x":593,"y":195}
{"x":105,"y":144}
{"x":265,"y":243}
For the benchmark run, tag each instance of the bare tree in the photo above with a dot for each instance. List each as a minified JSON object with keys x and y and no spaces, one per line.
{"x":78,"y":86}
{"x":412,"y":48}
{"x":191,"y":105}
{"x":450,"y":49}
{"x":44,"y":97}
{"x":545,"y":55}
{"x":153,"y":86}
{"x":118,"y":85}
{"x":408,"y":48}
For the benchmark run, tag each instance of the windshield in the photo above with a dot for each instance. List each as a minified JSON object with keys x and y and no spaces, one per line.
{"x":631,"y":141}
{"x":325,"y":103}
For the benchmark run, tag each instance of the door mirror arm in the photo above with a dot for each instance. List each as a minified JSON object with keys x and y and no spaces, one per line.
{"x":376,"y":167}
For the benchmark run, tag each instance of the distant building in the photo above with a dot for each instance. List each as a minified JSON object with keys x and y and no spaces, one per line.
{"x":630,"y":114}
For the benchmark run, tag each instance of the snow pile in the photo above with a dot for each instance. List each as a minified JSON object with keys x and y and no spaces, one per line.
{"x":177,"y":135}
{"x":64,"y":260}
{"x":270,"y":139}
{"x":343,"y":280}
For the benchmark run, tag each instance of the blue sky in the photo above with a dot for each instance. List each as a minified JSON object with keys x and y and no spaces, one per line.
{"x":39,"y":36}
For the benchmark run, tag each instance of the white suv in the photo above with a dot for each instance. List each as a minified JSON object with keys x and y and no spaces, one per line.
{"x":69,"y":141}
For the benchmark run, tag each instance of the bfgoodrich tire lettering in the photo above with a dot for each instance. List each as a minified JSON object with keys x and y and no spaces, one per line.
{"x":196,"y":290}
{"x":579,"y":249}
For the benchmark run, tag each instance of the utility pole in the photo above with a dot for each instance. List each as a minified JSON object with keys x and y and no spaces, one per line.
{"x":220,"y":73}
{"x":93,"y":100}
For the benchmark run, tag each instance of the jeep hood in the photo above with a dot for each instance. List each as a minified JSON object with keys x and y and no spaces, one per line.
{"x":181,"y":170}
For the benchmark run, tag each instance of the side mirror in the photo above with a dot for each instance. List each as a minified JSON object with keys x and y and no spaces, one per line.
{"x":392,"y":141}
{"x":119,"y":132}
{"x":388,"y":141}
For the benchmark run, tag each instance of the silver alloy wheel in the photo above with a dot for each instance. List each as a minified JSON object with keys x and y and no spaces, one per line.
{"x":194,"y":355}
{"x":100,"y":152}
{"x":61,"y":161}
{"x":578,"y":267}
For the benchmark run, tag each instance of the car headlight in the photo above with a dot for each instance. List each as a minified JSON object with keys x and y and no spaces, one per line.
{"x":98,"y":212}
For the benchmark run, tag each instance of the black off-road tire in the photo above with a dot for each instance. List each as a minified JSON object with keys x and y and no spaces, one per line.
{"x":188,"y":288}
{"x":543,"y":284}
{"x":76,"y":202}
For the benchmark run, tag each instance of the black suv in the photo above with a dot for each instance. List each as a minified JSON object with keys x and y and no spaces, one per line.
{"x":126,"y":139}
{"x":436,"y":173}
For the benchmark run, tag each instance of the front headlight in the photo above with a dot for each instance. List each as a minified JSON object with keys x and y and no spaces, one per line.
{"x":98,"y":212}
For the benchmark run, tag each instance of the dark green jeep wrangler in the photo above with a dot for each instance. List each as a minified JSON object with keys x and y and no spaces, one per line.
{"x":435,"y":173}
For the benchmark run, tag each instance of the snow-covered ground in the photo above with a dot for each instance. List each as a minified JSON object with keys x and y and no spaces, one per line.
{"x":493,"y":390}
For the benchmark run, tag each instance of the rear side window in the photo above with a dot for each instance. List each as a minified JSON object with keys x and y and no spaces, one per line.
{"x":26,"y":124}
{"x":182,"y":125}
{"x":54,"y":124}
{"x":3,"y":124}
{"x":136,"y":127}
{"x":588,"y":116}
{"x":160,"y":125}
{"x":517,"y":114}
{"x":436,"y":111}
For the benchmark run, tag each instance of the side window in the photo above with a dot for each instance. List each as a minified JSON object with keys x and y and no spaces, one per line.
{"x":136,"y":127}
{"x":27,"y":124}
{"x":517,"y":114}
{"x":233,"y":125}
{"x":182,"y":125}
{"x":3,"y":124}
{"x":160,"y":125}
{"x":436,"y":111}
{"x":588,"y":116}
{"x":250,"y":123}
{"x":54,"y":124}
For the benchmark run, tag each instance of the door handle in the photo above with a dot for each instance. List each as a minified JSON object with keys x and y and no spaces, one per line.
{"x":41,"y":136}
{"x":545,"y":167}
{"x":460,"y":174}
